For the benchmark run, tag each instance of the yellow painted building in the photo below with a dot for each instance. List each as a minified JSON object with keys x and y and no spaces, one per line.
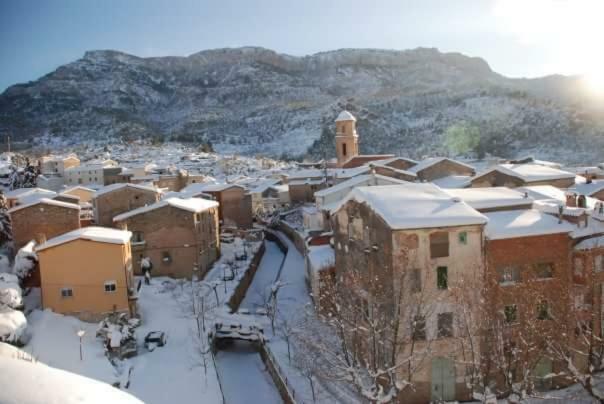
{"x":88,"y":273}
{"x":85,"y":194}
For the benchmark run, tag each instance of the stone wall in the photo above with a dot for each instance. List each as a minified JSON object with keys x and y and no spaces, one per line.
{"x":245,"y":281}
{"x":42,"y":221}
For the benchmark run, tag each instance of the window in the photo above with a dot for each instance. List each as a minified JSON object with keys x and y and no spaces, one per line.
{"x":165,"y":257}
{"x":138,"y":237}
{"x":419,"y":327}
{"x":416,"y":280}
{"x":544,"y":270}
{"x":110,"y":286}
{"x":510,"y":313}
{"x":442,"y":278}
{"x":463,"y":237}
{"x":445,"y":325}
{"x":509,"y":274}
{"x":598,"y":261}
{"x":344,"y":149}
{"x":66,"y":293}
{"x":543,"y":312}
{"x":439,"y":245}
{"x":578,"y":267}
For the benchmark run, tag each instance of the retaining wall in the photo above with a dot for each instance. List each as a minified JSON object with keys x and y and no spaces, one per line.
{"x":246,"y":280}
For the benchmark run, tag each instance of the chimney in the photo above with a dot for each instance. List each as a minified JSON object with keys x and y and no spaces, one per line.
{"x":40,"y":238}
{"x":571,"y":200}
{"x":560,"y":211}
{"x":525,"y":195}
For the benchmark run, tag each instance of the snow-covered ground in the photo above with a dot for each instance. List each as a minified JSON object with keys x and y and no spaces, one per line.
{"x":170,"y":374}
{"x":173,"y":373}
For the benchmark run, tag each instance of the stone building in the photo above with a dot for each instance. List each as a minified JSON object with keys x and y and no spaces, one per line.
{"x":528,"y":284}
{"x":88,"y":273}
{"x":517,"y":175}
{"x":347,"y":144}
{"x":178,"y":235}
{"x":56,"y":165}
{"x":401,"y":252}
{"x":235,"y":204}
{"x":112,"y":200}
{"x":43,"y":219}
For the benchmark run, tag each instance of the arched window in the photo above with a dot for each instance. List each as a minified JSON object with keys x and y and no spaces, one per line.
{"x":344,"y":149}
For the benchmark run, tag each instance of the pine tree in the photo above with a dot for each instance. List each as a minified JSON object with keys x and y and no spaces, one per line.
{"x":6,"y":231}
{"x":30,"y":175}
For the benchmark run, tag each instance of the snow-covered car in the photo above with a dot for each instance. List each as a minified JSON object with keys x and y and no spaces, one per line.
{"x":155,"y":339}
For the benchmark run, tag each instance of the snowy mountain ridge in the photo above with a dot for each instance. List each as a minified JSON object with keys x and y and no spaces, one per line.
{"x":256,"y":101}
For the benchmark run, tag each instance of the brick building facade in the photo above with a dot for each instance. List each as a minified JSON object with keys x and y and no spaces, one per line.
{"x":113,"y":200}
{"x":176,"y":234}
{"x":42,"y":220}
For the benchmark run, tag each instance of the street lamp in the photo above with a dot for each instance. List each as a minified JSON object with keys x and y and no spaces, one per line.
{"x":80,"y":334}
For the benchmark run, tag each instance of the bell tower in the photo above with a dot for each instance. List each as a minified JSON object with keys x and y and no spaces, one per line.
{"x":347,"y":140}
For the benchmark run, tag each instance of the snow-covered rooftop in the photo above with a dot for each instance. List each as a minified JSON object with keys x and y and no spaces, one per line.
{"x":115,"y":187}
{"x":415,"y":206}
{"x":356,"y":181}
{"x":194,"y":205}
{"x":321,"y":257}
{"x":491,"y":198}
{"x":22,"y":192}
{"x":588,"y":189}
{"x":44,"y":201}
{"x":429,"y":162}
{"x":453,"y":181}
{"x":91,"y":233}
{"x":345,"y":116}
{"x":77,"y":187}
{"x":538,"y":172}
{"x":523,"y":223}
{"x":588,"y":244}
{"x":217,"y":187}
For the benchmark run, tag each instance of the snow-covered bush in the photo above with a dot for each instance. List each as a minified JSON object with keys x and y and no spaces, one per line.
{"x":10,"y":291}
{"x":12,"y":325}
{"x":25,"y":261}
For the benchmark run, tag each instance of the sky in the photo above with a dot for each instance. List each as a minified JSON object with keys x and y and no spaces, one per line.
{"x":518,"y":38}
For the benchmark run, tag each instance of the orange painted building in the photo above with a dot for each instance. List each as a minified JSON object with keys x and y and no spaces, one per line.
{"x":88,"y":273}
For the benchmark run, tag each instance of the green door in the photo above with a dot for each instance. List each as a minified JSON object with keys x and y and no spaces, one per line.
{"x":443,"y":379}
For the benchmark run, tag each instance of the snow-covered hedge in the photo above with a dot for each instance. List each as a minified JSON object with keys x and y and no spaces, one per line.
{"x":10,"y":291}
{"x":12,"y":325}
{"x":25,"y":261}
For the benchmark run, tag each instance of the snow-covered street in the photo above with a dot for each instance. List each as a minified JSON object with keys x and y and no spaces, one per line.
{"x":244,"y":375}
{"x":259,"y":290}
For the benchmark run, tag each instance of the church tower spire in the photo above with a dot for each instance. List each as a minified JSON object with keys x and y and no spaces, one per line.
{"x":347,"y":140}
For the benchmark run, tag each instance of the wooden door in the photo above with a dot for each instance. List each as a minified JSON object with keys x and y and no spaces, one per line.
{"x":443,"y":379}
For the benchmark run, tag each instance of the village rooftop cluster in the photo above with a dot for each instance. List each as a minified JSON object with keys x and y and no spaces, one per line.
{"x":442,"y":279}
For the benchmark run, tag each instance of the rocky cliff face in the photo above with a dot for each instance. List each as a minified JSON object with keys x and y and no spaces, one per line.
{"x":254,"y":100}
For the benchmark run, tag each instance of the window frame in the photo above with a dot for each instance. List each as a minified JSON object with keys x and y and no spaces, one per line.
{"x":510,"y":316}
{"x":442,"y":283}
{"x":419,"y":328}
{"x":541,"y":266}
{"x":438,"y":247}
{"x":509,"y":275}
{"x":441,"y":331}
{"x":112,"y":286}
{"x":462,"y":237}
{"x":66,"y":295}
